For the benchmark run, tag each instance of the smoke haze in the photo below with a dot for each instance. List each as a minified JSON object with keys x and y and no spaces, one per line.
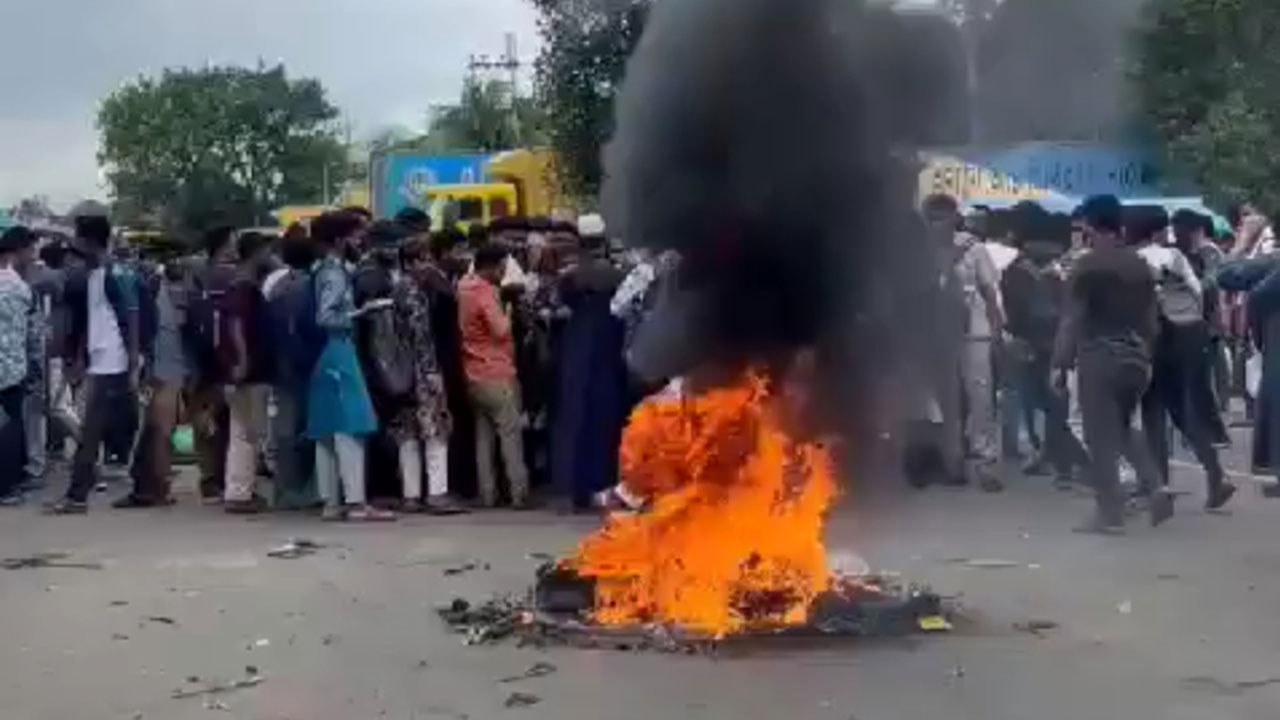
{"x":770,"y":143}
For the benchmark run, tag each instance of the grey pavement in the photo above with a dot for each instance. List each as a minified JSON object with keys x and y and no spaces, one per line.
{"x":1178,"y":623}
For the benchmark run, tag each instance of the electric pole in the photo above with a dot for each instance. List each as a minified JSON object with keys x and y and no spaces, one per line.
{"x":508,"y":62}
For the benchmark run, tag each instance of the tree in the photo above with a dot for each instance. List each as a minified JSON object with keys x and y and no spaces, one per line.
{"x":1208,"y":78}
{"x":196,"y":147}
{"x":489,"y":116}
{"x":586,"y":44}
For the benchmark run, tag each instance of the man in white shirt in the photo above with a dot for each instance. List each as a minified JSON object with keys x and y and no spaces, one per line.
{"x":103,"y":303}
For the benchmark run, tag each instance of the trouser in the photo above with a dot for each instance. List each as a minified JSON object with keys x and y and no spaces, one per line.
{"x":1110,"y":388}
{"x":1201,"y":356}
{"x":1014,"y":405}
{"x":294,"y":453}
{"x":35,"y":430}
{"x":497,"y":409}
{"x":248,"y":421}
{"x":109,"y":400}
{"x":436,"y":451}
{"x":340,"y":470}
{"x":153,"y":458}
{"x":12,"y":439}
{"x":1181,"y":366}
{"x":981,"y":434}
{"x":62,"y":415}
{"x":1220,"y":363}
{"x":210,"y":422}
{"x":1061,"y":448}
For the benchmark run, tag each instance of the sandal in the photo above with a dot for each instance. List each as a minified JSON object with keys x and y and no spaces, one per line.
{"x":332,"y":513}
{"x":368,"y":513}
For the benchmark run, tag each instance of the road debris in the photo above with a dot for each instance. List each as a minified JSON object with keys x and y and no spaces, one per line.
{"x":330,"y":639}
{"x":536,"y":670}
{"x":161,"y":620}
{"x":47,"y":560}
{"x":215,"y":704}
{"x":119,"y":603}
{"x":460,"y":569}
{"x":262,"y":643}
{"x":519,"y":699}
{"x":295,"y":548}
{"x":1125,"y":608}
{"x":1168,"y":576}
{"x":219,"y":688}
{"x":984,"y":563}
{"x":541,"y":557}
{"x":1035,"y":627}
{"x":119,"y":636}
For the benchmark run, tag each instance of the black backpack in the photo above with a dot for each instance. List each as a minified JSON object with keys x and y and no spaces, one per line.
{"x":390,"y":353}
{"x":205,"y":328}
{"x":294,"y":333}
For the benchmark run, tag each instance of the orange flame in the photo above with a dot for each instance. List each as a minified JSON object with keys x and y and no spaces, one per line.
{"x":733,"y":538}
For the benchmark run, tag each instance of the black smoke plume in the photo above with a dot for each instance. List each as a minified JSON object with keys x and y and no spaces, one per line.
{"x":770,"y":142}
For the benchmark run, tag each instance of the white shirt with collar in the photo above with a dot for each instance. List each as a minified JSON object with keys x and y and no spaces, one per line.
{"x":107,"y":354}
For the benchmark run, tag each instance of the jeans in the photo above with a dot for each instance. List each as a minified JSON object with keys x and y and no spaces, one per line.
{"x":109,"y":400}
{"x":497,"y":410}
{"x":981,"y":428}
{"x":1179,"y":391}
{"x":1061,"y":448}
{"x":1111,"y":386}
{"x":295,"y":486}
{"x":248,"y":423}
{"x":153,"y":458}
{"x":12,"y":439}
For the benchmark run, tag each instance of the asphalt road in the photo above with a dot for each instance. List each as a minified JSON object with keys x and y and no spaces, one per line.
{"x":1176,"y":623}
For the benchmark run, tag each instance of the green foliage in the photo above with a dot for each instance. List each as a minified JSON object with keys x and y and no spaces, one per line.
{"x":489,"y":116}
{"x":1208,"y":76}
{"x":196,"y":147}
{"x":586,"y":44}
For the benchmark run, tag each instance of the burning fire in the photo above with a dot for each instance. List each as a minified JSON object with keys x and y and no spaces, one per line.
{"x":732,"y":538}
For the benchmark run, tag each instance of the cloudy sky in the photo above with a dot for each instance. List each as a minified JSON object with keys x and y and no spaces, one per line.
{"x":385,"y":62}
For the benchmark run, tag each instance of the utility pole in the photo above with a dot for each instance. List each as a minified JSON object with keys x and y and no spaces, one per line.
{"x":509,"y":62}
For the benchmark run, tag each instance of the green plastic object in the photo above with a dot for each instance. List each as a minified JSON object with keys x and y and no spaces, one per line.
{"x":184,"y":440}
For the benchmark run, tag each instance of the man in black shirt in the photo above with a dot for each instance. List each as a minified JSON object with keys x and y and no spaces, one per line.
{"x":1108,"y":334}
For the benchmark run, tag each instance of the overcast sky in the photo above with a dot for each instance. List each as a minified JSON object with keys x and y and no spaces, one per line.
{"x":385,"y":62}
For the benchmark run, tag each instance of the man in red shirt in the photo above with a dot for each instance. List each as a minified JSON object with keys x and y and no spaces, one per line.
{"x":488,"y":356}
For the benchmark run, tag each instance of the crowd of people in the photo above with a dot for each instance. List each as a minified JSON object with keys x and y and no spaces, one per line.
{"x":1111,"y":314}
{"x":366,"y":368}
{"x":373,"y":368}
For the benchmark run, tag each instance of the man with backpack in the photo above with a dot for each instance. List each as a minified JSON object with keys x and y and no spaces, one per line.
{"x":1034,"y":293}
{"x":205,"y":334}
{"x":1181,"y":347}
{"x":291,"y":307}
{"x":249,"y":352}
{"x":106,"y":340}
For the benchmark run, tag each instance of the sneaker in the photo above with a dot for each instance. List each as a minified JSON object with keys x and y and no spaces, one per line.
{"x":369,"y":514}
{"x":1220,"y":496}
{"x":413,"y":506}
{"x":253,"y":506}
{"x":445,"y":505}
{"x":16,"y":499}
{"x":132,"y":502}
{"x":991,"y":484}
{"x":67,"y":507}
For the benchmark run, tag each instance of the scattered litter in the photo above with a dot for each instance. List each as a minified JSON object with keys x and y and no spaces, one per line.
{"x":219,"y":688}
{"x":262,"y":642}
{"x":987,"y":564}
{"x":518,"y":699}
{"x":422,"y":665}
{"x":295,"y":548}
{"x":1125,"y":608}
{"x":119,"y":636}
{"x":215,"y":704}
{"x":460,"y":569}
{"x":1035,"y":627}
{"x":934,"y":623}
{"x":1033,"y":566}
{"x":541,"y":557}
{"x":161,"y":619}
{"x":46,"y":560}
{"x":1250,"y":684}
{"x":193,"y":679}
{"x":957,"y":671}
{"x":330,"y":639}
{"x":1168,"y":576}
{"x":536,"y":670}
{"x":1223,"y":687}
{"x":250,"y":670}
{"x":119,"y":603}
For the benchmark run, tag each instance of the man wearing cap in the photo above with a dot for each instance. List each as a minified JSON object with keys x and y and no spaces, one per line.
{"x":20,"y":355}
